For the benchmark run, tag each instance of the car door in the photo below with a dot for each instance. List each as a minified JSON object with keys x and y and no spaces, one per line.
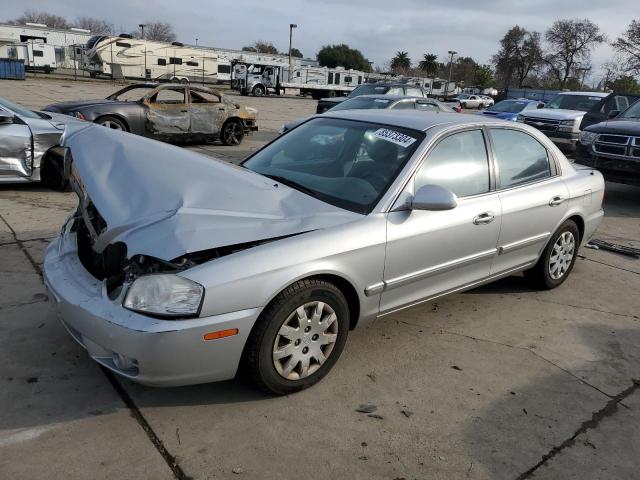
{"x":532,"y":194}
{"x":168,"y":112}
{"x":207,"y":111}
{"x":16,"y":151}
{"x":432,"y":252}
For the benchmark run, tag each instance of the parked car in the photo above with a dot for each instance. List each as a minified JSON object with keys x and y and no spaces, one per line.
{"x":381,"y":102}
{"x":396,"y":89}
{"x":561,"y":117}
{"x":467,"y":100}
{"x":608,"y":108}
{"x":169,"y":112}
{"x":488,"y":101}
{"x":178,"y":270}
{"x":613,"y":147}
{"x":509,"y":109}
{"x":29,"y":145}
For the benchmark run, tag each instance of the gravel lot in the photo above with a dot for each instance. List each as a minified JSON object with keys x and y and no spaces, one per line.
{"x":498,"y":382}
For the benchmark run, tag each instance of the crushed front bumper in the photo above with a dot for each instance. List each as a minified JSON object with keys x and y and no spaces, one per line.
{"x":146,"y":350}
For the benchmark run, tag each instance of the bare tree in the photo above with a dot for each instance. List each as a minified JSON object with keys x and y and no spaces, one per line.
{"x":35,"y":16}
{"x":96,"y":26}
{"x":570,"y":43}
{"x":158,"y":31}
{"x":520,"y":54}
{"x":628,"y":47}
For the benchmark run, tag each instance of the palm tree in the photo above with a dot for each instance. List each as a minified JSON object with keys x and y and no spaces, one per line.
{"x":429,"y":64}
{"x":401,"y":62}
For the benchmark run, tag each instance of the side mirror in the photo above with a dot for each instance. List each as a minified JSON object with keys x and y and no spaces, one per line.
{"x":6,"y":118}
{"x":613,"y":113}
{"x":434,"y":197}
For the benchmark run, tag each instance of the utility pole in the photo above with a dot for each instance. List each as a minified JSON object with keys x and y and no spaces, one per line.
{"x":446,"y":88}
{"x":196,"y":41}
{"x":291,"y":27}
{"x":142,"y":25}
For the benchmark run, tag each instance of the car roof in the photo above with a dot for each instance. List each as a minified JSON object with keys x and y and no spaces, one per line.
{"x":414,"y":120}
{"x":586,"y":94}
{"x":391,"y":97}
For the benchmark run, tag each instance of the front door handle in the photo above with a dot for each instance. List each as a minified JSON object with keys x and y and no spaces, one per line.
{"x":484,"y":218}
{"x":557,"y":200}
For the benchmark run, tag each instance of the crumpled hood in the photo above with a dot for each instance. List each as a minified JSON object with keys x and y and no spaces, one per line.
{"x":165,"y":201}
{"x":555,"y":114}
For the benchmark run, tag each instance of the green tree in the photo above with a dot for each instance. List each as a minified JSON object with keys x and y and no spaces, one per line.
{"x":628,"y":46}
{"x":624,"y":84}
{"x":342,"y":56}
{"x":520,"y":54}
{"x":401,"y":63}
{"x":429,"y":64}
{"x":296,"y":53}
{"x":483,"y":77}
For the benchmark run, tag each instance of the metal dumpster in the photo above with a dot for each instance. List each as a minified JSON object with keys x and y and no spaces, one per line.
{"x":11,"y":69}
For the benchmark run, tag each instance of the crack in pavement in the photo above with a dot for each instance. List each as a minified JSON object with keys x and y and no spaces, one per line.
{"x":20,"y":304}
{"x":635,"y":317}
{"x":15,"y":242}
{"x":169,"y":459}
{"x":495,"y":342}
{"x":608,"y":410}
{"x":608,"y":265}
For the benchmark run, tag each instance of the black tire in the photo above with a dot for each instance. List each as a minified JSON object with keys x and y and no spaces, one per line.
{"x":52,"y":174}
{"x":184,"y":81}
{"x":258,"y":362}
{"x":480,"y":106}
{"x":112,"y":122}
{"x":232,"y":132}
{"x":258,"y":91}
{"x":463,"y":105}
{"x":331,"y":94}
{"x":540,"y":276}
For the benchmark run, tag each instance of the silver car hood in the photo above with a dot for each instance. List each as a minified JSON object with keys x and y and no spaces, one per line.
{"x":165,"y":201}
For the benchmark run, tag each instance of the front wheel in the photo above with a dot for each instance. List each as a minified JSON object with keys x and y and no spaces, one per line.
{"x":298,"y":338}
{"x":258,"y":91}
{"x":232,"y":133}
{"x":557,"y":259}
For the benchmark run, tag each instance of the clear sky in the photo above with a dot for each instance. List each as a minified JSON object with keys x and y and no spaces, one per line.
{"x":378,"y":28}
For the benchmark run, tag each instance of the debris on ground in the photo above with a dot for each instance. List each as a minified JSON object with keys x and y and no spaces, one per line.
{"x":613,"y":247}
{"x":376,"y":416}
{"x":32,"y":380}
{"x":406,"y":413}
{"x":455,"y":367}
{"x":366,"y":408}
{"x":372,"y":377}
{"x":237,"y":470}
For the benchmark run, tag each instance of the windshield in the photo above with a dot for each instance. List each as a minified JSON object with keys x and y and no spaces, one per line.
{"x":17,"y":109}
{"x":362,"y":104}
{"x":632,"y":112}
{"x":581,"y":103}
{"x":368,"y":90}
{"x":508,"y":106}
{"x":346,"y":163}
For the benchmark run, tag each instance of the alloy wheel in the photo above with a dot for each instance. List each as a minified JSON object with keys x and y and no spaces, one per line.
{"x":111,"y":124}
{"x":305,"y":340}
{"x":561,"y":255}
{"x":232,"y":133}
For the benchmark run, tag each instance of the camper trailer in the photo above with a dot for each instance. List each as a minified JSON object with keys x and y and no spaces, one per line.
{"x":36,"y":56}
{"x":127,"y":57}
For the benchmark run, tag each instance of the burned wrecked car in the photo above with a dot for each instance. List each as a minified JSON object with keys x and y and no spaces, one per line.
{"x":176,"y":269}
{"x":168,"y":112}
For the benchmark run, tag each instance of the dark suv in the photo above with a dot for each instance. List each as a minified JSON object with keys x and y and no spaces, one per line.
{"x":608,"y":108}
{"x":613,"y":146}
{"x":399,"y":89}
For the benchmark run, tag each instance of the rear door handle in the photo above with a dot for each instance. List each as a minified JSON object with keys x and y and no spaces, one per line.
{"x":557,"y":200}
{"x":484,"y":218}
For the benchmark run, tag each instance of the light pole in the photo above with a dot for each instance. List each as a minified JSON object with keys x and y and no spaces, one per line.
{"x":446,"y":88}
{"x":196,"y":41}
{"x":142,"y":25}
{"x":291,"y":27}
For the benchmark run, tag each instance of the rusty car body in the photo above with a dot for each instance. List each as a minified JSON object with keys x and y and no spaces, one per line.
{"x":167,"y":112}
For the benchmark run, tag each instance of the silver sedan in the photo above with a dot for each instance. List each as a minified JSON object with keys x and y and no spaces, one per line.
{"x":176,"y":269}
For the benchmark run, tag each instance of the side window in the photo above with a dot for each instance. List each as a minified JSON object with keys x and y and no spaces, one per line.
{"x":414,"y":92}
{"x":404,"y":105}
{"x":426,"y":107}
{"x":520,"y":158}
{"x":395,"y":91}
{"x":169,"y":96}
{"x":203,"y":97}
{"x":459,"y":163}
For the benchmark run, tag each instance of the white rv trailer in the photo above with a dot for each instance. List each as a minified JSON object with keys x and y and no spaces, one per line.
{"x":125,"y":57}
{"x":263,"y":78}
{"x":36,"y":56}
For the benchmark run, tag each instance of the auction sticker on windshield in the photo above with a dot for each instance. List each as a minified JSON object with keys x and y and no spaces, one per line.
{"x":395,"y":137}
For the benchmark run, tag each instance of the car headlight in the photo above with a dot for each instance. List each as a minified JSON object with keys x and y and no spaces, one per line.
{"x":587,"y":138}
{"x":566,"y":125}
{"x":520,"y":118}
{"x":166,"y":295}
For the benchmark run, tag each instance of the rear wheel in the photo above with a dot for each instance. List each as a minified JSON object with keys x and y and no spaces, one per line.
{"x":184,"y":81}
{"x":112,"y":123}
{"x":232,"y":133}
{"x":557,"y":259}
{"x":298,"y":338}
{"x":258,"y":91}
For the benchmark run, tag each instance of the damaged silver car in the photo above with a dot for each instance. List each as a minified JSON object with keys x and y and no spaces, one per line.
{"x":177,"y":269}
{"x":29,"y":145}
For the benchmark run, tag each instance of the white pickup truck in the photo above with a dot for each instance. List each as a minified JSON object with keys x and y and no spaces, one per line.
{"x":560,"y":119}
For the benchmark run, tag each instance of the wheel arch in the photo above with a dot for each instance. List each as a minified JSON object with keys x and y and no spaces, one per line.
{"x":579,"y":221}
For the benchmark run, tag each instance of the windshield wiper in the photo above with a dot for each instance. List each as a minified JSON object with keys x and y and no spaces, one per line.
{"x":291,"y":183}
